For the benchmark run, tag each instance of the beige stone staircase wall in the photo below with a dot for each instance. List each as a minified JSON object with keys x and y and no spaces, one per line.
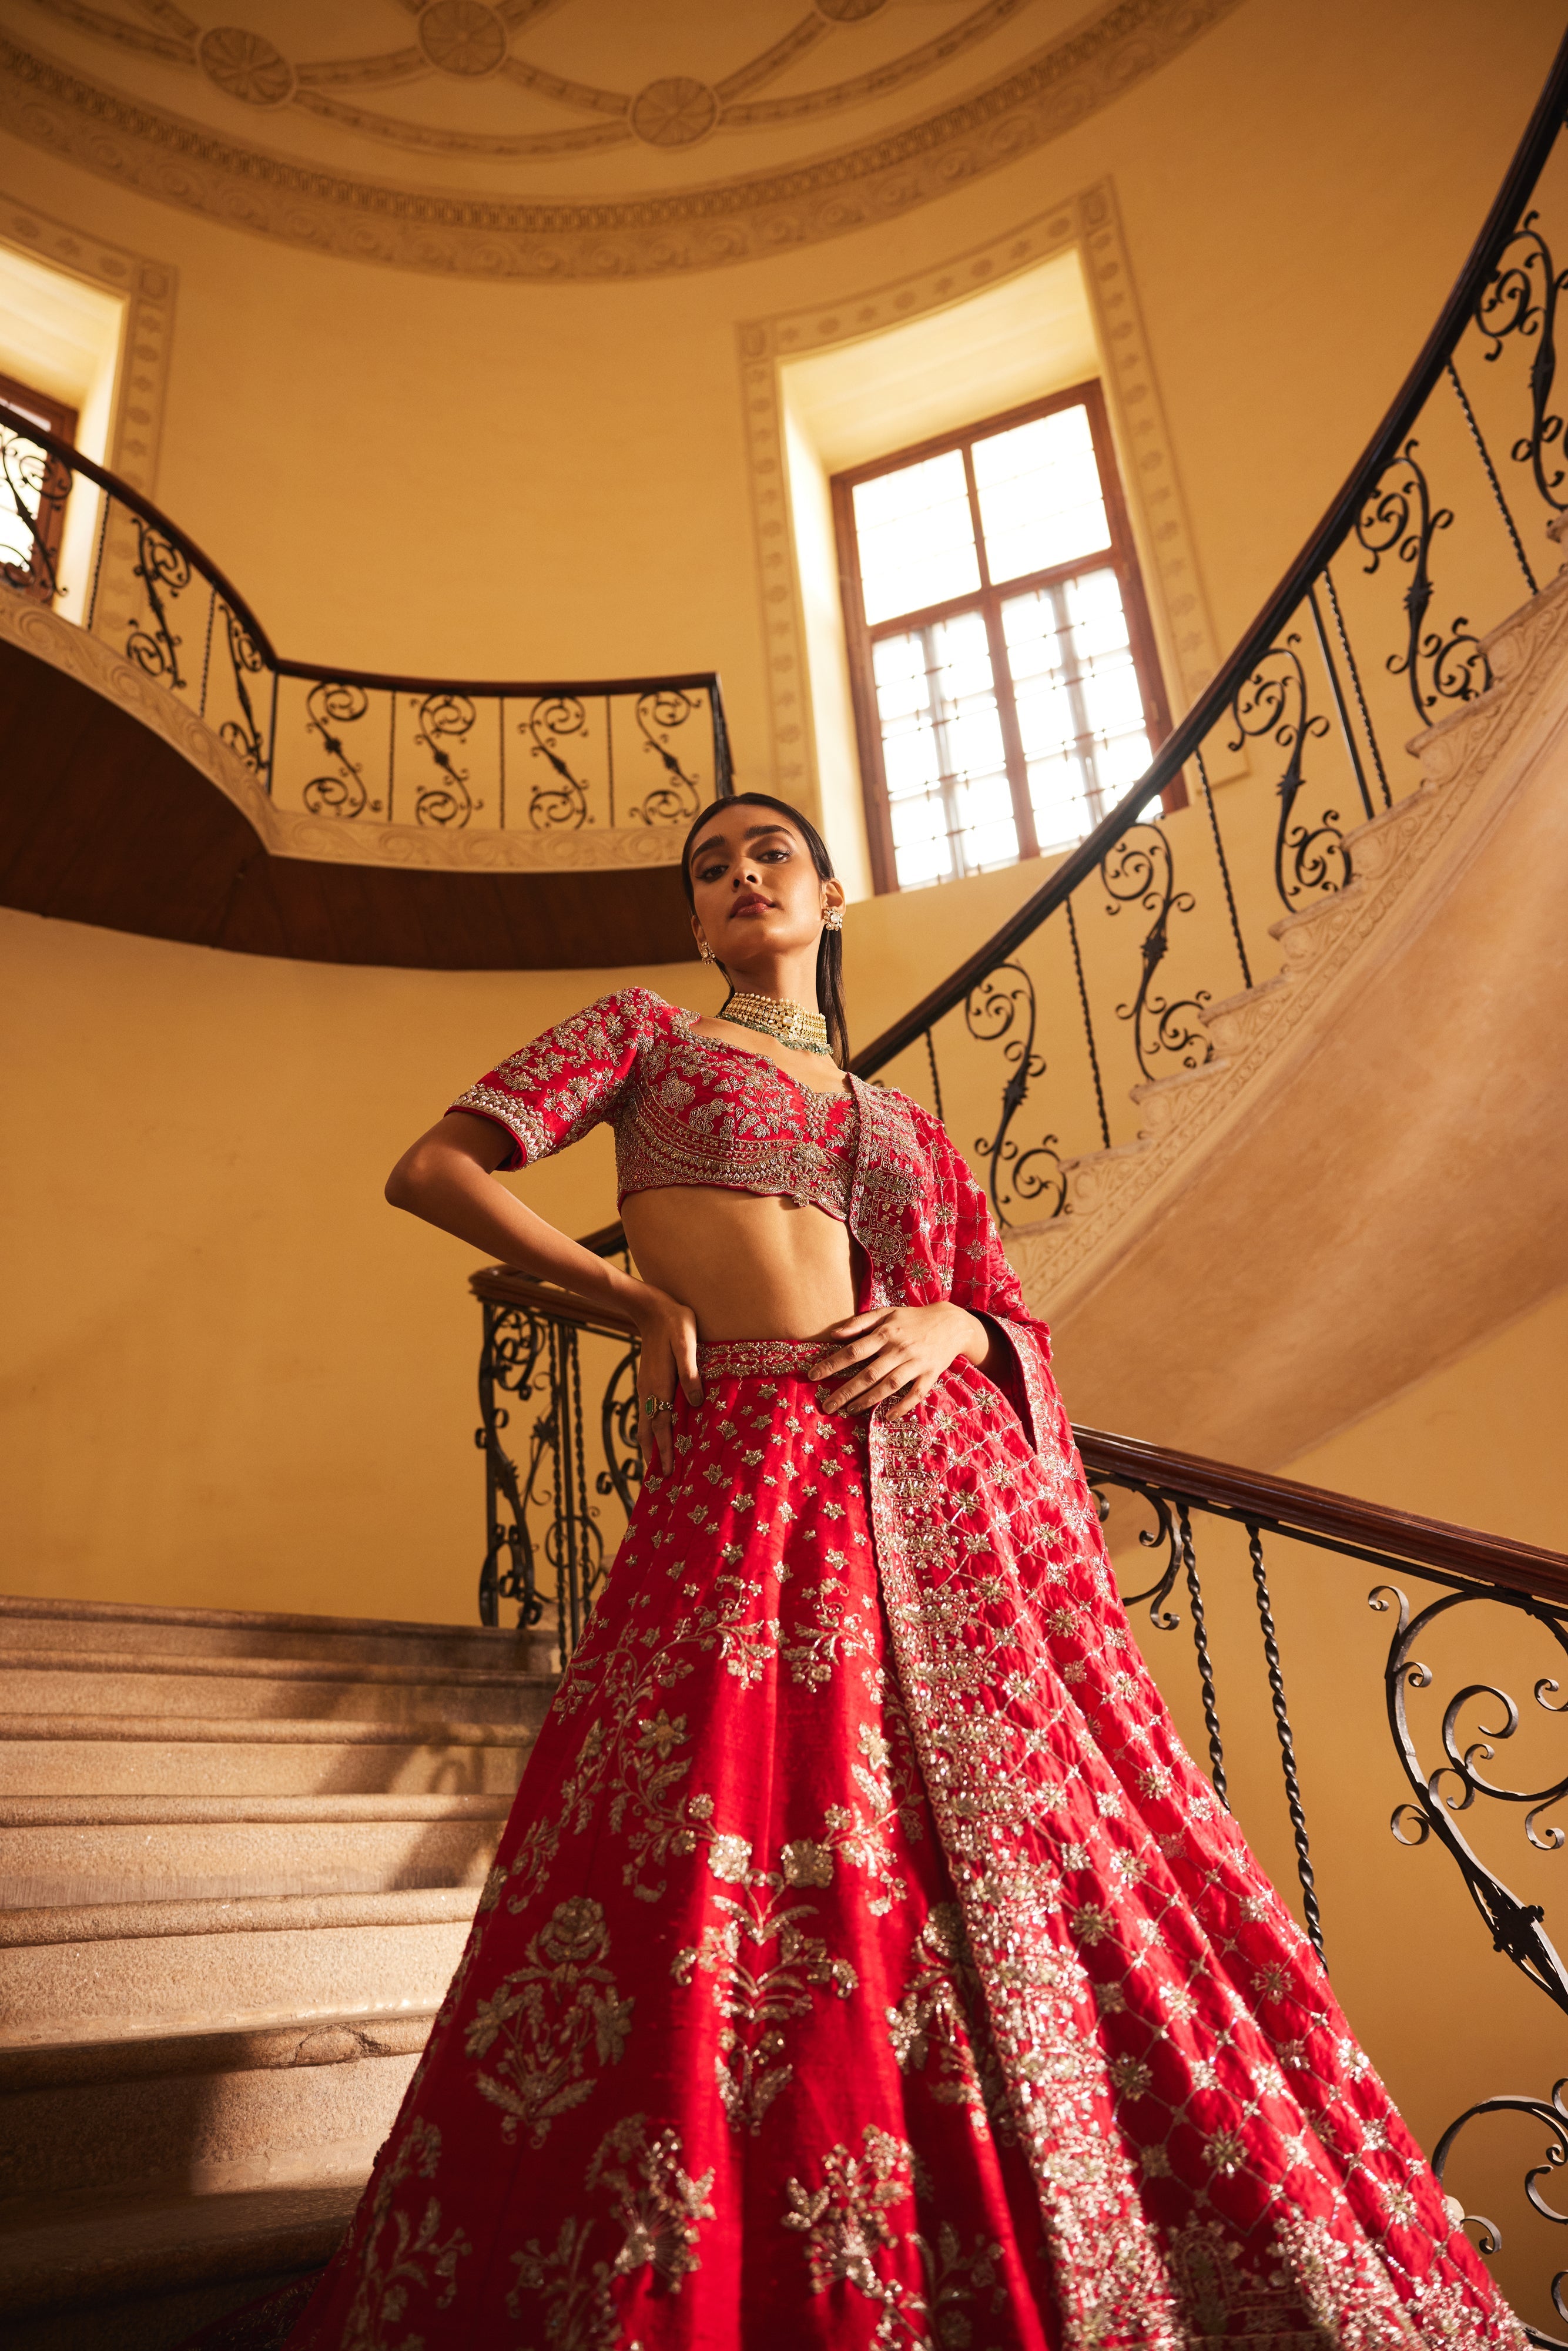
{"x":1372,"y":1172}
{"x":238,"y":1858}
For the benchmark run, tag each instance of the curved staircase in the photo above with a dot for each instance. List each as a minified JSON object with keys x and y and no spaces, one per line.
{"x":239,"y":1855}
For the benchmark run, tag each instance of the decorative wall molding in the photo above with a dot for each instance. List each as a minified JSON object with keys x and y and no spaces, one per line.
{"x":1472,"y":764}
{"x":752,"y":215}
{"x":149,"y":288}
{"x":1087,"y":220}
{"x":286,"y":833}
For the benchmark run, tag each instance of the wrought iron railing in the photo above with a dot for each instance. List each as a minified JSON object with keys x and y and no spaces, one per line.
{"x":510,"y":756}
{"x":558,"y":1494}
{"x":1103,"y":982}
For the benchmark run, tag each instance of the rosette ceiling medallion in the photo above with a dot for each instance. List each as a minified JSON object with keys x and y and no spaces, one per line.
{"x":567,"y":138}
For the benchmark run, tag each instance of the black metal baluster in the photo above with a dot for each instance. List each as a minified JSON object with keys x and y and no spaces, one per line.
{"x":1372,"y":742}
{"x":561,"y":1532}
{"x":1503,"y":504}
{"x":1088,"y":1027}
{"x":1345,"y":727}
{"x":1287,"y":1739}
{"x":103,"y":515}
{"x":1224,"y":870}
{"x":581,"y":1509}
{"x":936,"y":1080}
{"x":1204,"y":1665}
{"x":207,"y":649}
{"x":272,"y":735}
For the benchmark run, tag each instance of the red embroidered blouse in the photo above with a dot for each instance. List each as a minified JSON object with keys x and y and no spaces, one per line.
{"x":690,"y":1110}
{"x":686,"y":1109}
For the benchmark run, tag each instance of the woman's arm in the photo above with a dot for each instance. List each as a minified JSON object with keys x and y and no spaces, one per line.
{"x":448,"y":1178}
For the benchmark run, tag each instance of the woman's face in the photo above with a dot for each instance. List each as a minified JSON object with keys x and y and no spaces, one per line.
{"x":753,"y":887}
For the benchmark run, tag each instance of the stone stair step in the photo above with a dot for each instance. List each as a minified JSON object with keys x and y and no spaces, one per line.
{"x":126,"y":1627}
{"x":53,"y":1682}
{"x":134,"y":1863}
{"x":164,"y":1755}
{"x":212,"y":2112}
{"x":142,"y":2272}
{"x":115,"y":1970}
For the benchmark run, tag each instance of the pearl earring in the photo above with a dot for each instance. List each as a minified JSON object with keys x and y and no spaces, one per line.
{"x":706,"y":951}
{"x":834,"y":919}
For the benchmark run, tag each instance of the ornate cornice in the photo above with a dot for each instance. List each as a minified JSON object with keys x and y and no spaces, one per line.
{"x":291,"y":832}
{"x":183,"y":163}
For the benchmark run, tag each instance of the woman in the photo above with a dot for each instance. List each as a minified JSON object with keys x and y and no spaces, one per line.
{"x":865,"y":1962}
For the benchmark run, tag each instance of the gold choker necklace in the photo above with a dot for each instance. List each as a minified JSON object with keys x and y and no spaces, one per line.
{"x":774,"y":1015}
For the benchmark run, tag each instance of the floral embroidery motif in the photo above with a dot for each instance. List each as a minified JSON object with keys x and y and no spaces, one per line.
{"x":758,"y":1995}
{"x":935,"y":2021}
{"x":547,"y":2015}
{"x":413,"y":2261}
{"x":849,"y":2235}
{"x":657,"y":2208}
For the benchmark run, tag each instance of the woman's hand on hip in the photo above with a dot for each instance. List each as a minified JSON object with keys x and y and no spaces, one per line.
{"x":667,"y":1332}
{"x":896,"y":1351}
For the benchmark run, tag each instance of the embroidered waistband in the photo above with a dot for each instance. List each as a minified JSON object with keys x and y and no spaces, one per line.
{"x":760,"y":1358}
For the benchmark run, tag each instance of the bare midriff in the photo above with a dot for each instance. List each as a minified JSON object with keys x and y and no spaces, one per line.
{"x":748,"y":1265}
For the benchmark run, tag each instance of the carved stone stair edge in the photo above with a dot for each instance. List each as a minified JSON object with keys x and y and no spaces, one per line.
{"x":140,"y":1612}
{"x":264,"y":1730}
{"x":48,"y":637}
{"x":338,"y":2040}
{"x":1330,"y":947}
{"x":128,"y":1663}
{"x":112,"y":2248}
{"x":118,"y":1922}
{"x":230,"y":1811}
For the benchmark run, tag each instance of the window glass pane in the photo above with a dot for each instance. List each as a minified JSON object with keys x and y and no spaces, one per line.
{"x":1040,"y":499}
{"x":916,"y":538}
{"x":1080,"y":710}
{"x":942,"y":750}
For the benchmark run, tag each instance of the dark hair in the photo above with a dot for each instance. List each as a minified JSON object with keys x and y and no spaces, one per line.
{"x":829,"y":947}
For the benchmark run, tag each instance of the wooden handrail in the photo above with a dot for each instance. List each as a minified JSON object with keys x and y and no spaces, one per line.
{"x":377,"y":680}
{"x":1316,"y":1514}
{"x":1338,"y":1521}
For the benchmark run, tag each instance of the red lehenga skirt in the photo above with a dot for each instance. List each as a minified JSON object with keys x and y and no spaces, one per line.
{"x":866,"y":1963}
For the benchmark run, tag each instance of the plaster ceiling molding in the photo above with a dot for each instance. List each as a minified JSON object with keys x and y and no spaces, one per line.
{"x":1089,"y":220}
{"x":149,"y":288}
{"x":212,"y":168}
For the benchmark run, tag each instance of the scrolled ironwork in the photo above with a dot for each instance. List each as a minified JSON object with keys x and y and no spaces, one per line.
{"x":329,"y":708}
{"x":1272,"y":705}
{"x":36,"y":484}
{"x":243,"y":735}
{"x":1516,"y":1926}
{"x":992,"y":1013}
{"x":1554,"y":2113}
{"x":1521,"y":298}
{"x":554,"y":719}
{"x":1397,"y":518}
{"x":164,"y":571}
{"x":618,"y":1424}
{"x":445,"y":721}
{"x":1139,"y":870}
{"x":676,"y":799}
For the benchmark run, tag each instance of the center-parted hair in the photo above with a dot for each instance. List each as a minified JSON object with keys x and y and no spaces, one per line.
{"x":829,"y":947}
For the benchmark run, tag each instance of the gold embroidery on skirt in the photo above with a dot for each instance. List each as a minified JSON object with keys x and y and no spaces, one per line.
{"x":547,"y":2014}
